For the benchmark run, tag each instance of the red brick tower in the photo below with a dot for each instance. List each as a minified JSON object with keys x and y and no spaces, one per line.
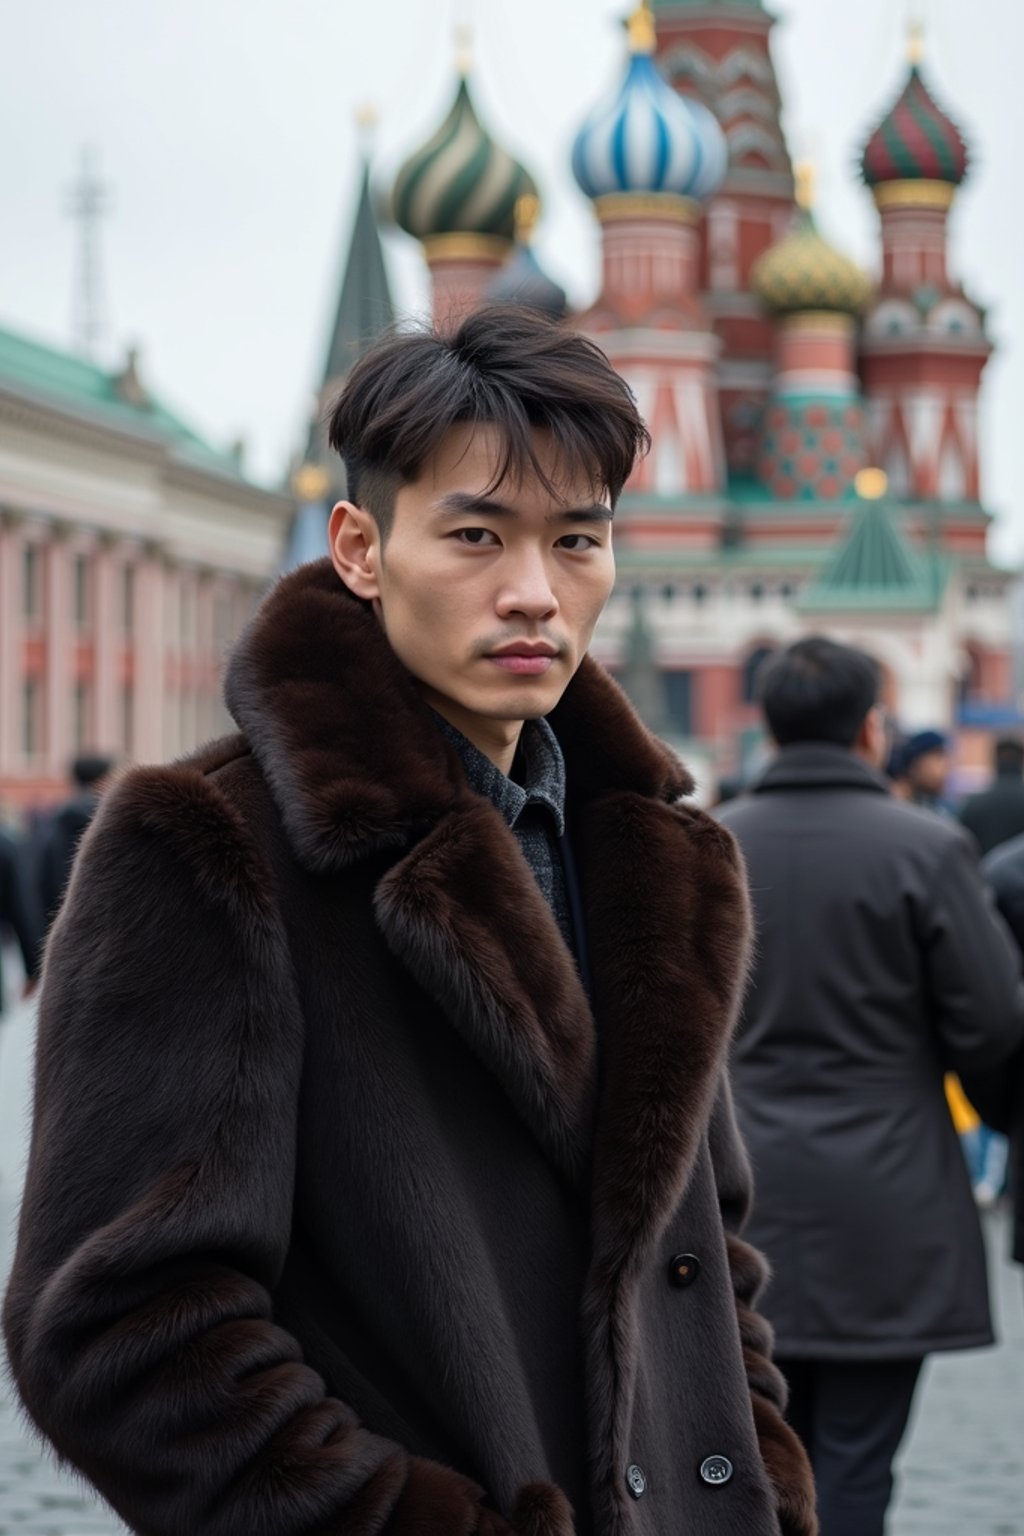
{"x":646,"y":159}
{"x":924,"y":345}
{"x":718,"y":51}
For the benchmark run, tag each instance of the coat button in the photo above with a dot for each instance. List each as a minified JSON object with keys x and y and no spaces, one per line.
{"x":716,"y":1470}
{"x":683,"y":1269}
{"x":636,"y":1482}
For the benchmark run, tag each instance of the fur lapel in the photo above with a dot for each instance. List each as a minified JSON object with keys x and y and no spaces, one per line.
{"x":667,"y":915}
{"x":357,"y":766}
{"x":465,"y":916}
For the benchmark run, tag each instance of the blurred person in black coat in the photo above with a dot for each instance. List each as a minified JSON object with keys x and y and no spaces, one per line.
{"x":62,"y":834}
{"x":997,"y":814}
{"x":17,"y":911}
{"x":998,"y":1096}
{"x":879,"y":963}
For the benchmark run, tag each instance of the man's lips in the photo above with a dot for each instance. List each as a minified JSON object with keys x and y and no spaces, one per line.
{"x":524,"y":659}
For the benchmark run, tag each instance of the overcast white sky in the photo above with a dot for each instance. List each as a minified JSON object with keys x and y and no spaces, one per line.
{"x":226,"y":132}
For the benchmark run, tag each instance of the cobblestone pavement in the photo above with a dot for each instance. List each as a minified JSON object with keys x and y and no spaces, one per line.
{"x":961,"y":1472}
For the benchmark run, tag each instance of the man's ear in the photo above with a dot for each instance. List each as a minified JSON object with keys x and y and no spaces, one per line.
{"x":871,"y":739}
{"x":355,"y":548}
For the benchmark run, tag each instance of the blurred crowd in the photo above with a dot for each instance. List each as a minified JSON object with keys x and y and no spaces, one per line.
{"x":879,"y":1059}
{"x":35,"y":866}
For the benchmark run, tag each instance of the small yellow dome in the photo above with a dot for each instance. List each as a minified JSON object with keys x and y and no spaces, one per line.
{"x":804,"y":272}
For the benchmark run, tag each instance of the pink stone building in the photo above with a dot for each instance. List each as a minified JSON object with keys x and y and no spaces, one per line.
{"x":131,"y":553}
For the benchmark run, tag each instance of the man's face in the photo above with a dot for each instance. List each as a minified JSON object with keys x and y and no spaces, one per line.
{"x":490,"y":601}
{"x":929,"y":772}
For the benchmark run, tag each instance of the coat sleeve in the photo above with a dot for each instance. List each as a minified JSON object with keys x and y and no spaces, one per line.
{"x":971,"y":966}
{"x":157,"y":1207}
{"x":784,"y":1457}
{"x":17,"y":907}
{"x":998,"y":1093}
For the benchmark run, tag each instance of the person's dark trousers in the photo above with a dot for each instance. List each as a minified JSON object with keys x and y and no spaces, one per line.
{"x":851,"y":1416}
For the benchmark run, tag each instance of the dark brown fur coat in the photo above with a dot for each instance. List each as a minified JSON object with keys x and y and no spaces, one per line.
{"x":346,"y":1213}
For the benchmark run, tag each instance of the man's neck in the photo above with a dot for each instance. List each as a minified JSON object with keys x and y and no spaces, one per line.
{"x":496,"y":739}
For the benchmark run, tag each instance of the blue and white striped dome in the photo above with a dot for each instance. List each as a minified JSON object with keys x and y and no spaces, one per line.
{"x":648,"y":138}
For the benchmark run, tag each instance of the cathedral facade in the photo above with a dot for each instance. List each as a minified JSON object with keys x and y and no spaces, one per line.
{"x":815,"y":461}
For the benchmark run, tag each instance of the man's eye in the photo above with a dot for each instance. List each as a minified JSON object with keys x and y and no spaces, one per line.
{"x":476,"y":536}
{"x":576,"y":542}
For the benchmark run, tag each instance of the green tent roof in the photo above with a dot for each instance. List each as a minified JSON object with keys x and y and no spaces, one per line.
{"x":874,"y":569}
{"x":73,"y":383}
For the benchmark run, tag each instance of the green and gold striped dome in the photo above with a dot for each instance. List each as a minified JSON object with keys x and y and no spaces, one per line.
{"x":461,"y":181}
{"x":803,"y":272}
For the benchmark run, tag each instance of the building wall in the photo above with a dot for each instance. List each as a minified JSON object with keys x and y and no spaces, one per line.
{"x":124,"y":578}
{"x":714,"y":628}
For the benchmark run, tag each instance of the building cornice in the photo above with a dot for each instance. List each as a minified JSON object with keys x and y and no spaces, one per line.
{"x":639,"y":346}
{"x":646,"y":207}
{"x":740,"y":17}
{"x":937,"y":195}
{"x":84,"y":429}
{"x":19,"y":408}
{"x":913,"y":343}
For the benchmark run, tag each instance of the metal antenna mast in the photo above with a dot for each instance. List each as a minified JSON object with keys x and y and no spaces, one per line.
{"x":88,"y":203}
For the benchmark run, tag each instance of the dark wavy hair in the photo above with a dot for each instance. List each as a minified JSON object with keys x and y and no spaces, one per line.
{"x":817,"y":690}
{"x":502,"y":366}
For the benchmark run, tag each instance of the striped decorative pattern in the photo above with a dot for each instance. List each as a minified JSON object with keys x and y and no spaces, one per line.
{"x":804,"y":272}
{"x":460,"y":182}
{"x":916,"y":141}
{"x":647,"y":138}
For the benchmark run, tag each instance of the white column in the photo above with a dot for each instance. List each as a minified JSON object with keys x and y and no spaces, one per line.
{"x":60,"y":642}
{"x":206,"y":657}
{"x":106,"y":626}
{"x":148,"y":656}
{"x":11,"y":643}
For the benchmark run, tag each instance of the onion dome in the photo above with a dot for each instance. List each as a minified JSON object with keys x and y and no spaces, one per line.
{"x":522,"y":280}
{"x":803,"y":272}
{"x":916,"y":140}
{"x":646,"y":137}
{"x":461,"y":181}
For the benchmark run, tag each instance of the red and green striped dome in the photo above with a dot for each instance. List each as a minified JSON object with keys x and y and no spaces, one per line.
{"x":916,"y":141}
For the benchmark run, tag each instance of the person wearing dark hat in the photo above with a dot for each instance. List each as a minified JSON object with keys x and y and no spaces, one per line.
{"x":924,"y":766}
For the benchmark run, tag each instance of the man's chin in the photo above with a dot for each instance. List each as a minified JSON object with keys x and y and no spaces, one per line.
{"x":518,"y":704}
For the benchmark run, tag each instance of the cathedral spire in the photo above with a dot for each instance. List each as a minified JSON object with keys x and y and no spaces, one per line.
{"x":364,"y":309}
{"x":365,"y":306}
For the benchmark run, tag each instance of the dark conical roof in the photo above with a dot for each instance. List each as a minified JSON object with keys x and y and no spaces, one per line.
{"x":522,"y":280}
{"x":365,"y":307}
{"x":364,"y":310}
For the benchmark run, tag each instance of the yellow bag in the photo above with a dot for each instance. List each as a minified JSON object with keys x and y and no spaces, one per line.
{"x":965,"y":1116}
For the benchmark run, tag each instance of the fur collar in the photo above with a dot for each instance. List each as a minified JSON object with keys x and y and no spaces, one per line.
{"x":353,"y":756}
{"x":357,"y":766}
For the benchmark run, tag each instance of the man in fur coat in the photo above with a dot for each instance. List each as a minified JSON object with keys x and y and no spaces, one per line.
{"x":384,"y":1176}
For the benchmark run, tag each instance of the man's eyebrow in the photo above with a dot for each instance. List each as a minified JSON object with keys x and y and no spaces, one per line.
{"x":462,"y":503}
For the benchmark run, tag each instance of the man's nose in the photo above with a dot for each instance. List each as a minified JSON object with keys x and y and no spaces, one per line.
{"x":527,"y":589}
